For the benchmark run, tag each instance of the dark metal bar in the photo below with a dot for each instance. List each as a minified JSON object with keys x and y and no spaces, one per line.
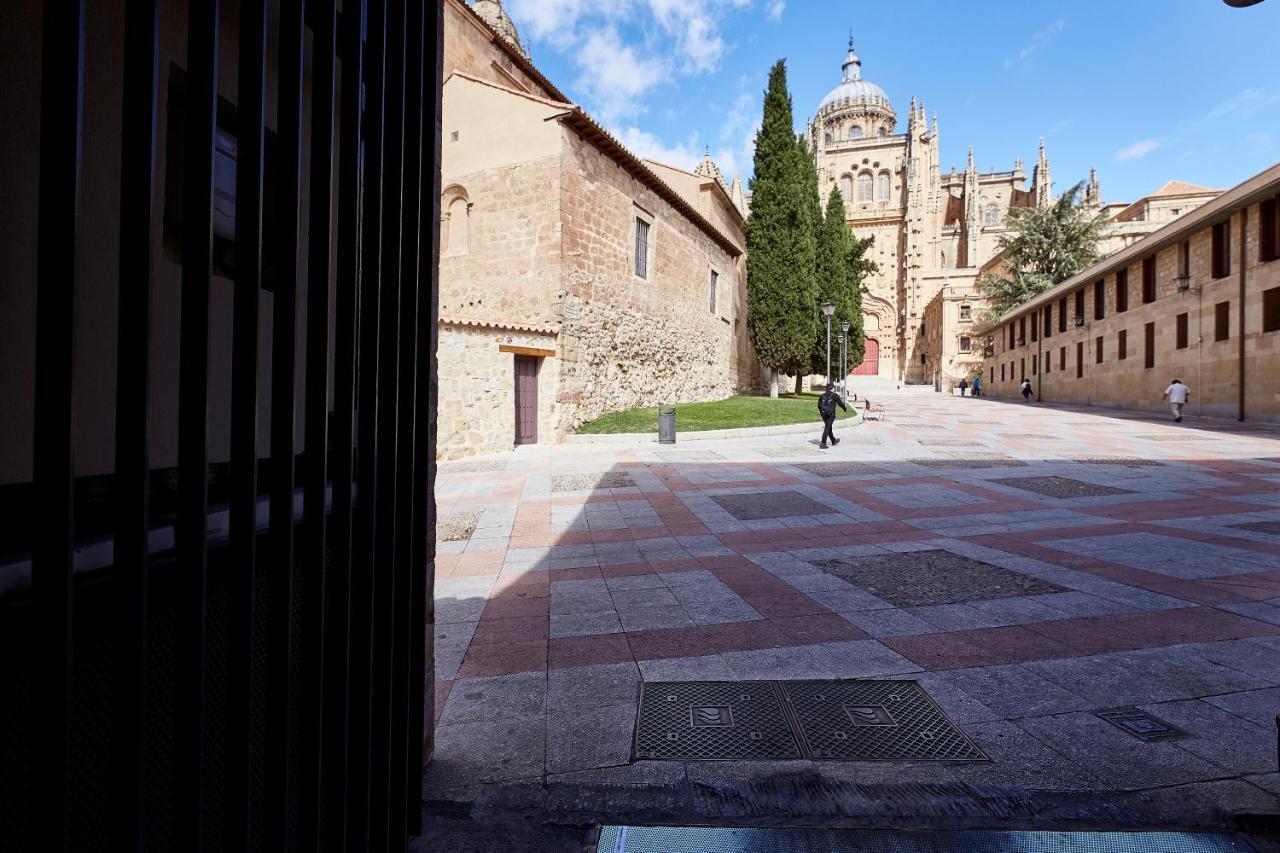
{"x":279,"y":830}
{"x":241,"y":568}
{"x":61,"y":101}
{"x":338,"y":584}
{"x":368,"y":449}
{"x":130,"y":573}
{"x":193,"y":412}
{"x":410,"y":209}
{"x":388,"y":542}
{"x":315,"y":472}
{"x":421,"y":593}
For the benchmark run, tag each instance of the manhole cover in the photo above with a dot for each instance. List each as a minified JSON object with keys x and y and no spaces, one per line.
{"x":875,"y":721}
{"x":713,"y":720}
{"x":1141,"y":725}
{"x":855,"y":720}
{"x":837,"y":469}
{"x":919,"y":578}
{"x":1060,"y":487}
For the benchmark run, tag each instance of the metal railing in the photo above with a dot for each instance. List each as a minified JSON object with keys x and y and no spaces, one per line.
{"x":265,"y":693}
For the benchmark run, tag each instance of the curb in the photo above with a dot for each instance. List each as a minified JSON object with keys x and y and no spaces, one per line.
{"x":707,"y":434}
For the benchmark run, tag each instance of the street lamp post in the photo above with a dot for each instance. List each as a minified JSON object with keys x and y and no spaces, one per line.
{"x":844,"y":352}
{"x":828,"y":308}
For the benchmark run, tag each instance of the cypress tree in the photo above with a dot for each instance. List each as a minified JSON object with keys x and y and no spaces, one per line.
{"x":781,"y":283}
{"x":841,"y":266}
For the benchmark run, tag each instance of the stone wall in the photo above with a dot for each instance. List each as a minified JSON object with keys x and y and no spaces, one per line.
{"x":476,"y":412}
{"x":471,"y":47}
{"x":626,"y":341}
{"x":1209,"y":367}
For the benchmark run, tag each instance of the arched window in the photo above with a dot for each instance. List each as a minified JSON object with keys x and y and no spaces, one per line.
{"x":846,"y":188}
{"x":855,"y":132}
{"x":826,"y":137}
{"x":991,"y":216}
{"x":884,"y":132}
{"x":864,"y":187}
{"x":882,"y":186}
{"x":455,"y":221}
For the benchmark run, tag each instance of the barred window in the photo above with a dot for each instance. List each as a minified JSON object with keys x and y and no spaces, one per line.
{"x":642,"y":248}
{"x":864,"y":187}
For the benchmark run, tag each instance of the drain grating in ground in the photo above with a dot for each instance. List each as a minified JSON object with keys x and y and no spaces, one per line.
{"x":837,"y":469}
{"x":1128,"y":461}
{"x":875,"y":721}
{"x":1141,"y":725}
{"x":920,"y":578}
{"x":715,"y":720}
{"x":457,"y":527}
{"x":1260,"y":527}
{"x":949,"y":442}
{"x":860,"y":720}
{"x":1060,"y":487}
{"x":966,"y":462}
{"x":578,"y":482}
{"x":761,"y":505}
{"x":689,"y":456}
{"x":697,"y":839}
{"x":470,"y":467}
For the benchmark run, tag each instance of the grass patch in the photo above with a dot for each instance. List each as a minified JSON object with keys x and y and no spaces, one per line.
{"x":735,"y":412}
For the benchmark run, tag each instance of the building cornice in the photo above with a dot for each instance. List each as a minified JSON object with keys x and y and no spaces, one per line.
{"x":500,"y":325}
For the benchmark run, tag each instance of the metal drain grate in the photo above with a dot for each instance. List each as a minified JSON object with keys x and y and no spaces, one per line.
{"x":832,"y":720}
{"x":716,"y":720}
{"x":875,"y":721}
{"x":1141,"y":725}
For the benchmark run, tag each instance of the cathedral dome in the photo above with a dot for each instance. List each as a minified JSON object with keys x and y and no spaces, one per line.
{"x":492,"y":13}
{"x":853,"y":90}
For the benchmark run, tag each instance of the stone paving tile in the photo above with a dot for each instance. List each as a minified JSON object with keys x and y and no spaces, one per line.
{"x":1021,"y":759}
{"x":1059,"y":487}
{"x":860,"y":659}
{"x":838,"y":469}
{"x":468,"y":754}
{"x":591,"y":737}
{"x":1012,"y":691}
{"x":934,"y":577}
{"x":1219,"y":736}
{"x":519,"y":696}
{"x":1261,"y":527}
{"x":575,"y":688}
{"x":767,"y":505}
{"x":702,"y":668}
{"x":966,"y":462}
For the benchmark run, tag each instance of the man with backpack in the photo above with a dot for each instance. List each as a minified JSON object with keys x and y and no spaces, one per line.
{"x":827,"y":408}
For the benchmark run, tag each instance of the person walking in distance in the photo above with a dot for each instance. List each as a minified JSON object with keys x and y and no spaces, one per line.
{"x":1177,"y":394}
{"x":964,"y":386}
{"x":1026,"y":390}
{"x":977,"y":387}
{"x":827,"y":408}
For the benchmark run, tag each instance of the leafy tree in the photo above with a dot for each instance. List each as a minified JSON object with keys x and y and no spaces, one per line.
{"x":842,"y":266}
{"x":781,"y":244}
{"x":1046,"y":245}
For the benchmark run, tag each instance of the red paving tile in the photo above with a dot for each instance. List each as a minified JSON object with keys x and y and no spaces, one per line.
{"x":503,"y":659}
{"x":589,"y":651}
{"x":820,"y":628}
{"x":743,"y":637}
{"x":667,"y":643}
{"x":584,"y":573}
{"x":442,"y":689}
{"x":515,"y":607}
{"x":785,"y":606}
{"x":513,"y":630}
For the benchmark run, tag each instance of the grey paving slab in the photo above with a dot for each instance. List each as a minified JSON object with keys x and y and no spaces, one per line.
{"x":1257,"y":706}
{"x":891,"y":622}
{"x":575,"y":688}
{"x":469,"y":754}
{"x":591,"y":737}
{"x":1013,"y":691}
{"x":859,"y":659}
{"x":578,"y":624}
{"x":1233,"y":743}
{"x":1021,"y":759}
{"x":794,"y":662}
{"x":522,"y":695}
{"x":651,"y":617}
{"x":700,"y":668}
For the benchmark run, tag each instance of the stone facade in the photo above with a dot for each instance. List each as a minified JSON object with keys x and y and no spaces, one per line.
{"x":541,"y":216}
{"x":952,"y":345}
{"x":1096,"y":351}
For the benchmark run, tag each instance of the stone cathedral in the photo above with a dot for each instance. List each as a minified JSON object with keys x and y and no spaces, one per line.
{"x":931,"y":229}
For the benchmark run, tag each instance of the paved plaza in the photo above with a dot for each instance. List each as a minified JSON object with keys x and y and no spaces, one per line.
{"x":1029,"y":568}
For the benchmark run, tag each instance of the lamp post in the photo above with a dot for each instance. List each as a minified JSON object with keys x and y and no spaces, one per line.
{"x":844,"y":351}
{"x":828,"y":308}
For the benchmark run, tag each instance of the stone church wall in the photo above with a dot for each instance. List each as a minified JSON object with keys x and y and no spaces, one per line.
{"x":469,"y":46}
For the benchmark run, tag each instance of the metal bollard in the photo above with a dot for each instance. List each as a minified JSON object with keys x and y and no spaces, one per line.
{"x":666,"y":424}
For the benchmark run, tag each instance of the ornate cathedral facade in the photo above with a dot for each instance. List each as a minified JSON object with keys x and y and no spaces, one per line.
{"x":932,"y":229}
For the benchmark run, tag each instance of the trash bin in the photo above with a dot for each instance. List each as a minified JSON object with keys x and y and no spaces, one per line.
{"x":666,"y":424}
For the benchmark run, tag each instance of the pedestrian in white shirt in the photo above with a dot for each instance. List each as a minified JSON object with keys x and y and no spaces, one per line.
{"x":1177,"y":394}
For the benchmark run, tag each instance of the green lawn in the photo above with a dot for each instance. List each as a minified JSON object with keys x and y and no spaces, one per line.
{"x":719,"y":414}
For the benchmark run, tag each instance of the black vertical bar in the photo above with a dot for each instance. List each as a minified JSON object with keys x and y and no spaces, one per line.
{"x":193,"y":413}
{"x":279,"y":829}
{"x":388,"y":423}
{"x":130,"y":573}
{"x":367,"y":452}
{"x":315,"y":471}
{"x":409,"y":256}
{"x":421,"y":660}
{"x":61,"y":101}
{"x":242,"y":570}
{"x":338,"y":585}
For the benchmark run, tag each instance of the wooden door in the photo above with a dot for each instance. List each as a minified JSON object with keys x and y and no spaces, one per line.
{"x":870,"y":360}
{"x":526,"y":400}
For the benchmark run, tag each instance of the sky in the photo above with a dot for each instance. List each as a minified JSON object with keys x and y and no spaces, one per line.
{"x":1143,"y":90}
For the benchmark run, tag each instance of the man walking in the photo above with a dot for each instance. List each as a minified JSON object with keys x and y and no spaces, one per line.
{"x":1177,"y":394}
{"x":827,"y":408}
{"x":964,"y":386}
{"x":1026,"y":390}
{"x":977,"y":387}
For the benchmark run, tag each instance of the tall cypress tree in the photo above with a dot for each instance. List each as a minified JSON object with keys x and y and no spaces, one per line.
{"x":842,"y":266}
{"x":781,"y":285}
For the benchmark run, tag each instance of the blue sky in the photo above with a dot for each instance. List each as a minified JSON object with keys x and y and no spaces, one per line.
{"x":1145,"y":90}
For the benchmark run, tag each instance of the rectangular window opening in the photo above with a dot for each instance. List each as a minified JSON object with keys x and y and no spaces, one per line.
{"x":1148,"y":280}
{"x":1149,"y":345}
{"x":1122,"y":345}
{"x":642,"y":248}
{"x":1122,"y":291}
{"x":1182,"y":333}
{"x":1222,"y":321}
{"x":1222,"y":249}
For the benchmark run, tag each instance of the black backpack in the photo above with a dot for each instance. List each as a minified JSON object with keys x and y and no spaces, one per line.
{"x":827,"y":405}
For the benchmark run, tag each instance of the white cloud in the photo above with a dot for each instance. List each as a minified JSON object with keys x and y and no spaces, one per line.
{"x":774,"y":10}
{"x":642,"y":143}
{"x":547,"y":20}
{"x":616,"y":75}
{"x":1038,"y":40}
{"x":1139,"y":149}
{"x":1244,"y":103}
